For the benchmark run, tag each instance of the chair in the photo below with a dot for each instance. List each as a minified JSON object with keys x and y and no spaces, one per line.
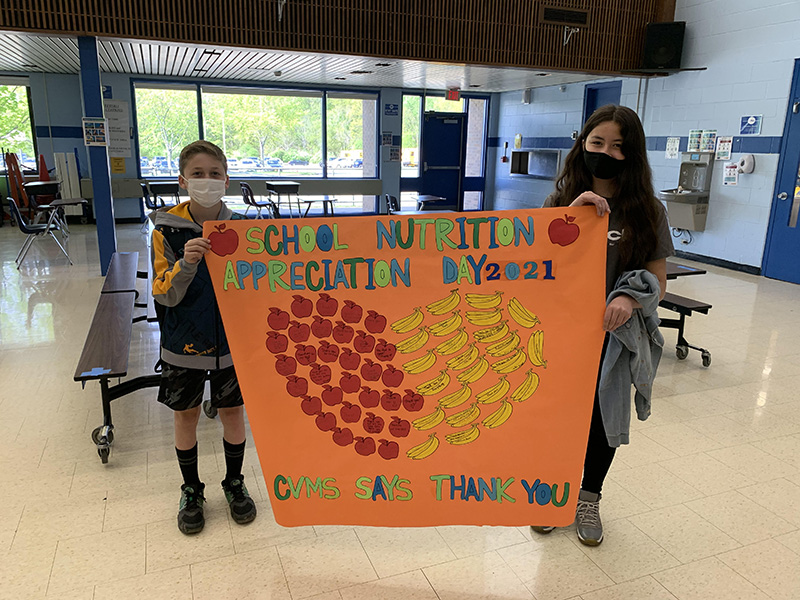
{"x":250,"y":200}
{"x":151,"y":204}
{"x":33,"y":231}
{"x":392,"y":204}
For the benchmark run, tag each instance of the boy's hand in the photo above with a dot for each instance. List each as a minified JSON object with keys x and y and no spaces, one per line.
{"x":194,"y":250}
{"x":600,"y":203}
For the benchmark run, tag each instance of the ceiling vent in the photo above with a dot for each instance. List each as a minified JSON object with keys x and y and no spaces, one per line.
{"x":554,"y":15}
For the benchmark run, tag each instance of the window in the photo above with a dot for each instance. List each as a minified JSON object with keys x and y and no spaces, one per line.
{"x":166,"y":118}
{"x":440,"y":104}
{"x":351,"y":122}
{"x":15,"y":121}
{"x":410,"y":139}
{"x":276,"y":133}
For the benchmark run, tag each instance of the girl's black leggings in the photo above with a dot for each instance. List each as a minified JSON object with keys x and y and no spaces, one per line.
{"x":598,"y":453}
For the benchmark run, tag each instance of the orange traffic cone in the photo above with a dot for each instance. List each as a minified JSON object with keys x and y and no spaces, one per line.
{"x":44,"y":174}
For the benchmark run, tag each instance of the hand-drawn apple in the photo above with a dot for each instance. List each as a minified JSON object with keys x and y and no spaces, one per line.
{"x":311,"y":405}
{"x":327,"y":352}
{"x":390,"y":400}
{"x":301,"y":307}
{"x":385,"y":351}
{"x":399,"y":427}
{"x":351,"y":312}
{"x":299,"y":332}
{"x":349,"y":382}
{"x":326,"y":421}
{"x":305,"y":354}
{"x":332,"y":395}
{"x":277,"y":342}
{"x":343,"y":333}
{"x":320,"y":374}
{"x":369,"y":398}
{"x":392,"y":377}
{"x":327,"y":306}
{"x":321,"y":328}
{"x":412,"y":401}
{"x":363,"y":342}
{"x":388,"y":450}
{"x":563,"y":231}
{"x":277,"y":318}
{"x":342,"y":436}
{"x":223,"y":242}
{"x":285,"y":365}
{"x":375,"y":323}
{"x":371,"y":371}
{"x":350,"y":413}
{"x":364,"y":445}
{"x":373,"y":423}
{"x":296,"y":386}
{"x":349,"y":360}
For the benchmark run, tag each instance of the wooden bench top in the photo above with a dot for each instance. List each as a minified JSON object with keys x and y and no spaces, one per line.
{"x":105,"y":353}
{"x":121,"y":276}
{"x":674,"y":302}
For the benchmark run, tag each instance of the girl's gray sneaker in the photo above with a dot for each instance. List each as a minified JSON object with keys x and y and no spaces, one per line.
{"x":587,"y":518}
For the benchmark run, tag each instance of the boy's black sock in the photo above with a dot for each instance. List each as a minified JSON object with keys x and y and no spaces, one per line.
{"x":187,"y":460}
{"x":234,"y":457}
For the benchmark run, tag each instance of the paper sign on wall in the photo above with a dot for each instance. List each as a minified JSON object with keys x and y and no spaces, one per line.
{"x":417,"y":371}
{"x":673,"y":147}
{"x":119,"y":129}
{"x":730,"y":175}
{"x":94,"y":132}
{"x":724,"y":146}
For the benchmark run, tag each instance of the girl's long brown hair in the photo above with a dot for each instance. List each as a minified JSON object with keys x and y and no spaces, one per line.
{"x":634,"y":199}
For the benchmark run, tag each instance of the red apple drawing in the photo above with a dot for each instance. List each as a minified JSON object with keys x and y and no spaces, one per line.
{"x":563,"y":231}
{"x":326,"y":421}
{"x":385,"y":351}
{"x":373,"y":423}
{"x":371,"y":371}
{"x":223,"y":242}
{"x":392,"y":377}
{"x":296,"y":386}
{"x":332,"y":395}
{"x":277,"y":342}
{"x":390,"y":400}
{"x":299,"y":332}
{"x":363,"y":342}
{"x":351,"y":312}
{"x":301,"y":307}
{"x":369,"y":398}
{"x":328,"y":352}
{"x":412,"y":401}
{"x":327,"y":306}
{"x":320,"y":374}
{"x":388,"y":450}
{"x":349,"y":360}
{"x":374,"y":322}
{"x":399,"y":427}
{"x":311,"y":405}
{"x":342,"y":437}
{"x":321,"y":328}
{"x":349,"y":382}
{"x":277,"y":318}
{"x":285,"y":365}
{"x":305,"y":354}
{"x":365,"y":446}
{"x":350,"y":413}
{"x":343,"y":333}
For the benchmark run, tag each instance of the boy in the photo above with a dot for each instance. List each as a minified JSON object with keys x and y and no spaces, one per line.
{"x":193,"y":340}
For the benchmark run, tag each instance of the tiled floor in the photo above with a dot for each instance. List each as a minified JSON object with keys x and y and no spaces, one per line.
{"x":704,"y":504}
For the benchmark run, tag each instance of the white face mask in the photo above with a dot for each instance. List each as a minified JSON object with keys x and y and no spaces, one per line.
{"x":206,"y":192}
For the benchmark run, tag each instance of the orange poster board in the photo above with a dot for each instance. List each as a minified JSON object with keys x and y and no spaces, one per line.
{"x":416,"y":371}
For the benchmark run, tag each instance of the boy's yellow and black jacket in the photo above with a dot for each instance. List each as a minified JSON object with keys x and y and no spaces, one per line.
{"x":192,"y":335}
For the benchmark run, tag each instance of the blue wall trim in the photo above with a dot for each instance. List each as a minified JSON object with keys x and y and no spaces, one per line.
{"x":750,"y":144}
{"x":59,"y":132}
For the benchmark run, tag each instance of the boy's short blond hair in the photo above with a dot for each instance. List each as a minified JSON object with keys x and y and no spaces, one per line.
{"x":201,"y":147}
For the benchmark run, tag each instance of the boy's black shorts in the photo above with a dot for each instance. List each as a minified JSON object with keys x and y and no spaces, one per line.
{"x":182,"y":389}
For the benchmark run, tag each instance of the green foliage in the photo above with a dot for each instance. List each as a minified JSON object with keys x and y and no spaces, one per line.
{"x":15,"y":121}
{"x":167,"y":121}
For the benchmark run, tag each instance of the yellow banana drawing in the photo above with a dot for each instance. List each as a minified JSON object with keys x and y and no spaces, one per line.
{"x":456,"y":398}
{"x":420,"y":364}
{"x":492,"y":334}
{"x":445,"y":305}
{"x":435,"y":385}
{"x":500,"y":416}
{"x":510,"y":363}
{"x":483,"y":318}
{"x":465,"y":359}
{"x":526,"y":389}
{"x":408,"y":323}
{"x":505,"y":346}
{"x":522,"y":315}
{"x":453,"y":344}
{"x":536,"y":349}
{"x":425,"y":449}
{"x":446,"y":326}
{"x":463,"y":437}
{"x":465,"y":417}
{"x":475,"y":372}
{"x":483,"y":300}
{"x":429,"y":421}
{"x":494,"y":393}
{"x":413,"y":343}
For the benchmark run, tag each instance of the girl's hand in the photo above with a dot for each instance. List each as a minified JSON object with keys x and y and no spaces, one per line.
{"x":618,"y":311}
{"x":591,"y":198}
{"x":194,"y":250}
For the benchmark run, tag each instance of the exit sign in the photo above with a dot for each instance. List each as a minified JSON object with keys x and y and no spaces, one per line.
{"x":453,"y":94}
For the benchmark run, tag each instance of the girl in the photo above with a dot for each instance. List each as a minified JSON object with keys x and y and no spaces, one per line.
{"x":607,"y":167}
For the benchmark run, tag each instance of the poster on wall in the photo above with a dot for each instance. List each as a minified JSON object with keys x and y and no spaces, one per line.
{"x":395,"y":153}
{"x":94,"y":131}
{"x":119,"y":129}
{"x":694,"y":140}
{"x":730,"y":175}
{"x":724,"y":146}
{"x":673,"y":147}
{"x":708,"y":140}
{"x":406,"y":371}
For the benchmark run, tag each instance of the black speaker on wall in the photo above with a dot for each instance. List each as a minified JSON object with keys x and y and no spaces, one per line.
{"x":663,"y":45}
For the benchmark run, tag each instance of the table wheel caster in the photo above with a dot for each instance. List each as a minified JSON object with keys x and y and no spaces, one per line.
{"x":103,"y":437}
{"x":706,"y":356}
{"x":209,"y":410}
{"x":682,"y":352}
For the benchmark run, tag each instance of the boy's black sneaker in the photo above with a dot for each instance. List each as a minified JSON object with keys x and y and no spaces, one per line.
{"x":243,"y":509}
{"x":190,"y":511}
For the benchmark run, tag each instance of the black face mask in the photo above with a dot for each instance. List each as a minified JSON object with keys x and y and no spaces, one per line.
{"x":603,"y":166}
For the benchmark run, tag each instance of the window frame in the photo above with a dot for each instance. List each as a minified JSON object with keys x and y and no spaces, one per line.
{"x":16,"y":81}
